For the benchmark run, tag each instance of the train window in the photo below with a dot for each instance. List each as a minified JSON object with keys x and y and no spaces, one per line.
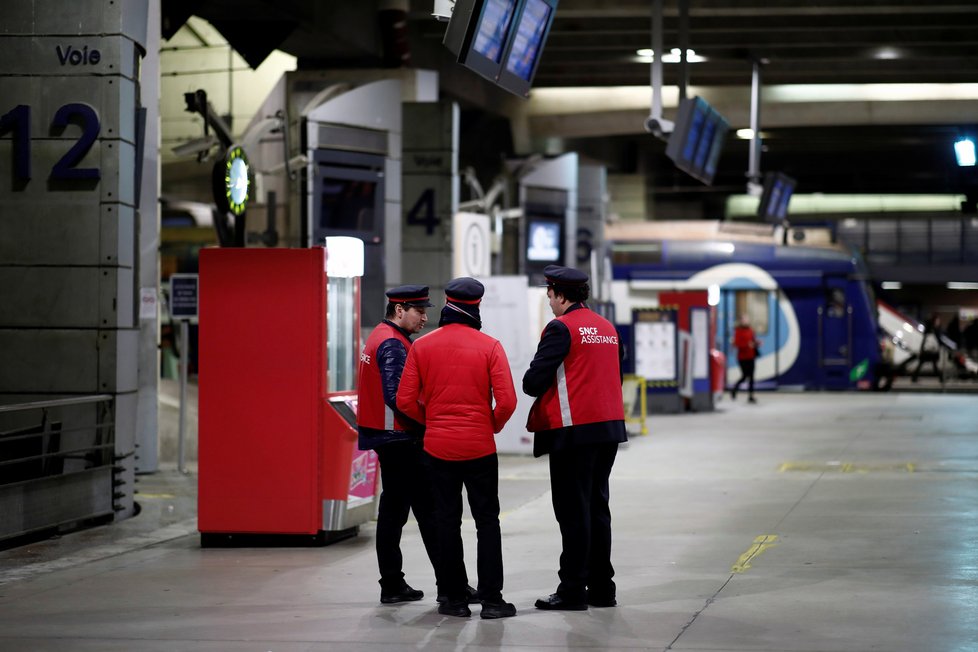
{"x":835,"y":300}
{"x":636,"y":254}
{"x":754,"y":304}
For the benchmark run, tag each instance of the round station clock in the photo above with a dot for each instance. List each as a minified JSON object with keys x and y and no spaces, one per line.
{"x":232,"y":181}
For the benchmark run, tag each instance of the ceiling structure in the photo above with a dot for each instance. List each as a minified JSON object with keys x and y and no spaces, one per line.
{"x":835,"y":141}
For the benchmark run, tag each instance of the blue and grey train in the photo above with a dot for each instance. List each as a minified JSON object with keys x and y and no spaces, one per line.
{"x":811,"y":307}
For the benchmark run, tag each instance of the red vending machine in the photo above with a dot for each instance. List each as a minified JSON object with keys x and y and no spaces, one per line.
{"x":279,"y":343}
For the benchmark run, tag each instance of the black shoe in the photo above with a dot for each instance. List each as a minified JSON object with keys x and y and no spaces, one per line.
{"x":733,"y":394}
{"x":556,"y":603}
{"x":601,"y":600}
{"x":499,"y":609}
{"x":751,"y":400}
{"x":404,"y":594}
{"x":459,"y":609}
{"x":470,"y":593}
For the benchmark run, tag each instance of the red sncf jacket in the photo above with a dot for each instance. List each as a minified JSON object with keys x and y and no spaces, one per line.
{"x":372,"y":412}
{"x":587,"y":388}
{"x":450,"y":380}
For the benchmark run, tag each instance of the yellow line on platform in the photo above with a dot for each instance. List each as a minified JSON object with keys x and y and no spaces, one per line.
{"x":847,"y":467}
{"x":761,"y":544}
{"x":155,"y":495}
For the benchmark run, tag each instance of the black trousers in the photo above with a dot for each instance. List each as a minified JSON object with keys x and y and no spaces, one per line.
{"x":579,"y":484}
{"x":407,"y":487}
{"x":480,"y":477}
{"x":746,"y":373}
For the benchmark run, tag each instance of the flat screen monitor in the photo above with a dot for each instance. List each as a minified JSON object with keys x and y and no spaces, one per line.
{"x":544,"y":241}
{"x":502,"y":40}
{"x":479,"y":32}
{"x":698,"y":138}
{"x":526,"y":46}
{"x":778,"y":189}
{"x":346,"y":406}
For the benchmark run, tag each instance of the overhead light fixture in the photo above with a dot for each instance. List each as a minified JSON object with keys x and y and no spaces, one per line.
{"x":745,"y":134}
{"x":964,"y":152}
{"x":961,"y":285}
{"x":887,"y":52}
{"x":646,"y":55}
{"x":891,"y":285}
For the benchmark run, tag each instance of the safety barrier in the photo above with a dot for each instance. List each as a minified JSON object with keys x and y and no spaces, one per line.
{"x":57,"y":463}
{"x":633,"y":391}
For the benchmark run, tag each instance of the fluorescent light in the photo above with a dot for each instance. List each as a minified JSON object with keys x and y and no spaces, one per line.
{"x":891,"y":285}
{"x":713,"y":294}
{"x":674,"y":55}
{"x":964,"y":152}
{"x":745,"y":134}
{"x":887,"y":53}
{"x":961,"y":285}
{"x":344,"y":256}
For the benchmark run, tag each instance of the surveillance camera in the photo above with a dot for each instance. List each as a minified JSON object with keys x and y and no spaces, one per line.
{"x":658,"y":127}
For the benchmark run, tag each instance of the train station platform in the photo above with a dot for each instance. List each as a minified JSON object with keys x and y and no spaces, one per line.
{"x":815,"y":522}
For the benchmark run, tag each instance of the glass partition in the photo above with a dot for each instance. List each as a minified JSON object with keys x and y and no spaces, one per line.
{"x":344,"y":267}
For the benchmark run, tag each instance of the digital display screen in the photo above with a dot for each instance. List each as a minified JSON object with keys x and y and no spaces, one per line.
{"x":529,"y":39}
{"x":778,"y":189}
{"x":706,"y":140}
{"x":347,"y":408}
{"x":780,"y":196}
{"x":543,"y":241}
{"x":494,"y":28}
{"x":347,"y":205}
{"x":697,"y":141}
{"x":697,"y":118}
{"x":716,"y":147}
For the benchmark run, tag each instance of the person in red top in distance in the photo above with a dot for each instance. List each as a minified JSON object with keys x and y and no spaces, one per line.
{"x":451,"y":380}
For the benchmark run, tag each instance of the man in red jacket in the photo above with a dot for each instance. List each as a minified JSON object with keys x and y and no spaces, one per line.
{"x":449,"y":383}
{"x":395,"y":438}
{"x":579,"y":420}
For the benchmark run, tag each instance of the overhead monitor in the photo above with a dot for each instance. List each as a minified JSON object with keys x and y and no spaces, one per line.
{"x":698,"y":138}
{"x":778,"y":189}
{"x":502,"y":40}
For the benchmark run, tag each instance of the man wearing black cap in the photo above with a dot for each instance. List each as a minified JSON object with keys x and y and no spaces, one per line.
{"x":451,"y":378}
{"x":579,"y":420}
{"x":396,"y":438}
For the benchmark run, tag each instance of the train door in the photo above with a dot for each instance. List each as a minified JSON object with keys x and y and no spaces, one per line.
{"x":761,"y":308}
{"x":834,"y":334}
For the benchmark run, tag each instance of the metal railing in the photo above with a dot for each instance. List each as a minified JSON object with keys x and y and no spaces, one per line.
{"x":57,"y":463}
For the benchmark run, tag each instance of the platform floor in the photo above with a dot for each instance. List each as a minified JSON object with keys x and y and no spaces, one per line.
{"x":813,"y":522}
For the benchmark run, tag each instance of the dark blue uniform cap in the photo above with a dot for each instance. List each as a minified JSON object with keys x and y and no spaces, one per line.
{"x":411,"y":295}
{"x":559,"y":275}
{"x":464,"y":290}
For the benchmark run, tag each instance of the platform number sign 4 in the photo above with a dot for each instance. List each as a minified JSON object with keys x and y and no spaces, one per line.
{"x":17,"y":123}
{"x":423,"y":212}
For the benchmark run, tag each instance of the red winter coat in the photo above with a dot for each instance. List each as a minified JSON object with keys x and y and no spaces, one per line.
{"x":745,"y":342}
{"x":449,"y":382}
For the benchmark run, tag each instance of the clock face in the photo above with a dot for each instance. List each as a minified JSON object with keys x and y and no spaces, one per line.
{"x":236,"y":184}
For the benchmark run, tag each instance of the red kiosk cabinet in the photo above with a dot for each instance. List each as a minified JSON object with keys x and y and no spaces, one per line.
{"x":278,"y":346}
